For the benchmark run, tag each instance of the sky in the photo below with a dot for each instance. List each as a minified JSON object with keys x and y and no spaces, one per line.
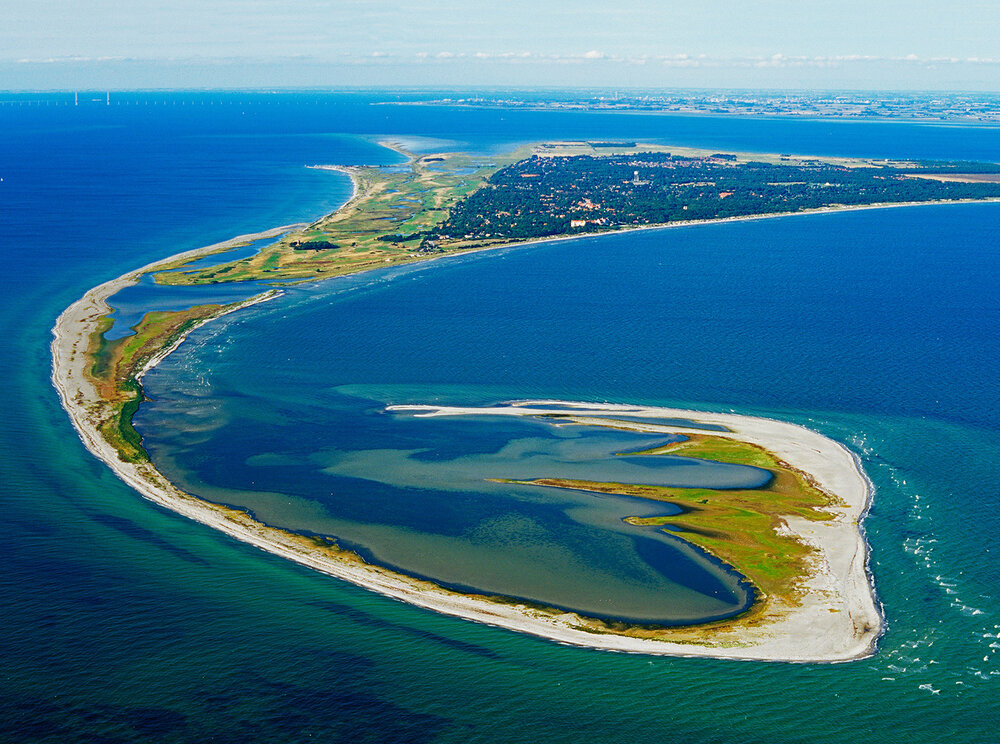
{"x":848,"y":44}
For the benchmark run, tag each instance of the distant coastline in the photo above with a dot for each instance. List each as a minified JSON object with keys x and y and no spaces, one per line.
{"x":944,"y":108}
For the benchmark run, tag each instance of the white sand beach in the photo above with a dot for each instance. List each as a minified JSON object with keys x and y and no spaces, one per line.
{"x":838,"y":621}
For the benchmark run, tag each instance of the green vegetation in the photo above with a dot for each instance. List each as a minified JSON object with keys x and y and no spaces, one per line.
{"x":313,"y":245}
{"x":554,"y":195}
{"x":741,"y":527}
{"x":452,"y":202}
{"x":455,"y":202}
{"x":117,"y":363}
{"x":386,"y":223}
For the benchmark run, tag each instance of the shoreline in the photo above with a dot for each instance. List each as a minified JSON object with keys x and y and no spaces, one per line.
{"x":132,"y":277}
{"x":785,"y":645}
{"x":632,"y":228}
{"x":166,"y":351}
{"x":71,"y":334}
{"x":346,"y":170}
{"x":840,"y":613}
{"x":713,"y":221}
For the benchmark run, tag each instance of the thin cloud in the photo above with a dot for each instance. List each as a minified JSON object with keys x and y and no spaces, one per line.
{"x":777,"y":60}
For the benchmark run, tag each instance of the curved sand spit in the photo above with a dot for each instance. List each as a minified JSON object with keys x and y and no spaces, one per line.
{"x":838,"y":619}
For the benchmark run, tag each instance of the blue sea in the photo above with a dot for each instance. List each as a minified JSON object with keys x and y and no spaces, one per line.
{"x":123,"y":622}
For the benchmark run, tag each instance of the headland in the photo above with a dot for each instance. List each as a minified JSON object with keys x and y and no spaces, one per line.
{"x":410,"y":214}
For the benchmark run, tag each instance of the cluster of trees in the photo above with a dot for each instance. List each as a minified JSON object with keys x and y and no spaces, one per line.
{"x":542,"y":196}
{"x":313,"y":245}
{"x":399,"y":237}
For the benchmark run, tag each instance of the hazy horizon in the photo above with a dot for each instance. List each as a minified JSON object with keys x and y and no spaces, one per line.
{"x":778,"y":44}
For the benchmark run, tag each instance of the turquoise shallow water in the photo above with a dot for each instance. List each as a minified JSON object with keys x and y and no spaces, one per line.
{"x":123,"y":622}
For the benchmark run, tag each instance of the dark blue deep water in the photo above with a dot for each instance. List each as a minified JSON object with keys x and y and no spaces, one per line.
{"x":123,"y":622}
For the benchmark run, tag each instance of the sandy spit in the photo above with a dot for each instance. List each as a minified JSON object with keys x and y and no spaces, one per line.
{"x":839,"y":618}
{"x":838,"y":621}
